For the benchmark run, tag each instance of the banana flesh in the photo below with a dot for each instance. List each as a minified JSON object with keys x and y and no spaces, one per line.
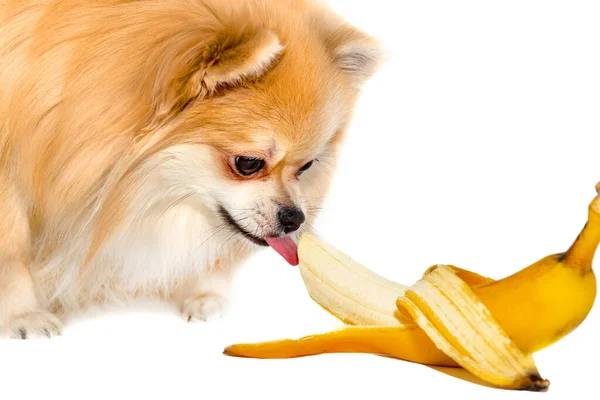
{"x":345,"y":288}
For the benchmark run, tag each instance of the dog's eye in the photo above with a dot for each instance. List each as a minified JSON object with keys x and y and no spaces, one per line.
{"x":305,"y":168}
{"x":247,"y":166}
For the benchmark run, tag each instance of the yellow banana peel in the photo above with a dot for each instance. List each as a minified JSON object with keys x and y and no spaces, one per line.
{"x":451,"y":317}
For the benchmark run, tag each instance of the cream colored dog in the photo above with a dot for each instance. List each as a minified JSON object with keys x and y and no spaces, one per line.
{"x":147,"y":147}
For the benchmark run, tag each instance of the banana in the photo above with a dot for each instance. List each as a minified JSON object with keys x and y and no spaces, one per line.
{"x":451,"y":328}
{"x":451,"y":317}
{"x":537,"y":305}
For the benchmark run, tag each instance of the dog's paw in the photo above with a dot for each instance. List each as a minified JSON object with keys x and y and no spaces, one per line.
{"x":205,"y":307}
{"x":35,"y":325}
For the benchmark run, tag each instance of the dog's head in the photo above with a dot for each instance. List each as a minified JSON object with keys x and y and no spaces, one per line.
{"x":262,"y":98}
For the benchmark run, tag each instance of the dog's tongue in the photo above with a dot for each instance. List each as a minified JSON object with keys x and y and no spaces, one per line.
{"x":286,"y":247}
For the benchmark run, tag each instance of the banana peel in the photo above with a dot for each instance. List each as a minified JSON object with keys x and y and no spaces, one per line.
{"x":460,"y":325}
{"x":451,"y":317}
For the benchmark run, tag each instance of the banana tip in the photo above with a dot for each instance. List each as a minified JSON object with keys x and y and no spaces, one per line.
{"x":598,"y":187}
{"x":230,"y":351}
{"x":536,"y":383}
{"x":243,"y":351}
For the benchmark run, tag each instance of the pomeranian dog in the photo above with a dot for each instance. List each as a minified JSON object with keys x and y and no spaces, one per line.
{"x":148,"y":147}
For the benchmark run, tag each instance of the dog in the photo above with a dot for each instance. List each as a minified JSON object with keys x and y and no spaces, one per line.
{"x":149,"y":147}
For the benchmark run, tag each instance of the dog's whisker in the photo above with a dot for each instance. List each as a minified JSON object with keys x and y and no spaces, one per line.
{"x":220,"y":228}
{"x":241,"y":247}
{"x":313,"y":228}
{"x":233,"y":234}
{"x":242,"y":219}
{"x":175,"y":203}
{"x":243,"y":209}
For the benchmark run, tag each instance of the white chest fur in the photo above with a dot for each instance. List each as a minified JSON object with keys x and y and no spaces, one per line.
{"x":166,"y":254}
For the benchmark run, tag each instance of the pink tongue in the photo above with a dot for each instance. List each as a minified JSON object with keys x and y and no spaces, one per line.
{"x":286,"y":247}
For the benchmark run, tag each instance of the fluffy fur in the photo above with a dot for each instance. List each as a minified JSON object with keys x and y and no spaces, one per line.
{"x":120,"y":121}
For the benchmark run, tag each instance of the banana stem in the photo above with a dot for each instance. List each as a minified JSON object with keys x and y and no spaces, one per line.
{"x":581,"y":254}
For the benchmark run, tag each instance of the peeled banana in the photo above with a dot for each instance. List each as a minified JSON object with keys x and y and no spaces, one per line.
{"x":451,"y":317}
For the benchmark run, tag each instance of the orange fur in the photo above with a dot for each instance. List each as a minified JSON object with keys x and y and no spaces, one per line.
{"x":95,"y":92}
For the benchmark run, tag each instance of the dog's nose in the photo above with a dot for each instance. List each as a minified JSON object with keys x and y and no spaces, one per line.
{"x":290,"y":218}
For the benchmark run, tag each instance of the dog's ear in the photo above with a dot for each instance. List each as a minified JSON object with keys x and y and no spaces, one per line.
{"x":234,"y":57}
{"x":356,"y":53}
{"x":216,"y":59}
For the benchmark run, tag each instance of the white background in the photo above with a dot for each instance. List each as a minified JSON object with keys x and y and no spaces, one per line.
{"x":477,"y":144}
